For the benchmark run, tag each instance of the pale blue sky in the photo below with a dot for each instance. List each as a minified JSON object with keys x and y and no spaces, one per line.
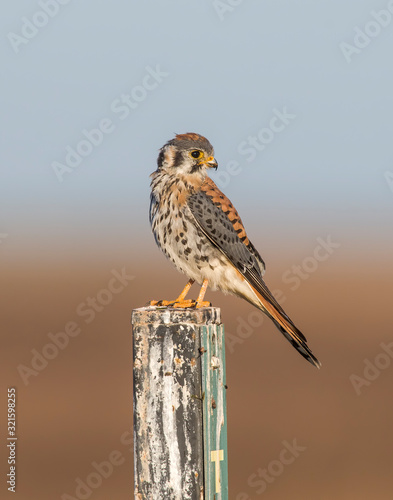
{"x":323,"y":173}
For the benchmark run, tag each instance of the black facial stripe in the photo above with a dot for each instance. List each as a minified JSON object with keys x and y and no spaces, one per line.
{"x":160,"y":159}
{"x":178,"y":159}
{"x":195,"y":168}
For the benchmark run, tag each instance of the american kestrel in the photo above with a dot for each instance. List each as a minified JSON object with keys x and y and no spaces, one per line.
{"x":200,"y":231}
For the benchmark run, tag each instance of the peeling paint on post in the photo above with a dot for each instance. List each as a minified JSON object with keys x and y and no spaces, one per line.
{"x":175,"y":352}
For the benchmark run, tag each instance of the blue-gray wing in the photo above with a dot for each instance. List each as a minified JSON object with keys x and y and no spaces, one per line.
{"x":220,"y":230}
{"x":224,"y":235}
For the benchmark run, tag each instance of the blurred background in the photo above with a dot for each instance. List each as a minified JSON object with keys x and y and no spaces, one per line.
{"x":296,"y":98}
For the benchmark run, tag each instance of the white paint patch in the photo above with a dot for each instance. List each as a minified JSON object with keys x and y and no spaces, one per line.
{"x":154,"y":398}
{"x":189,"y":472}
{"x":215,"y":362}
{"x":170,"y":403}
{"x":166,"y":316}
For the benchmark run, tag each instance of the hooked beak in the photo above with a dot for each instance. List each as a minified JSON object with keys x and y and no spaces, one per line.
{"x":211,"y":162}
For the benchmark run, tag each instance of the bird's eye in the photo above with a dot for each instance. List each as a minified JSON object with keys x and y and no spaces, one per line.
{"x":196,"y":154}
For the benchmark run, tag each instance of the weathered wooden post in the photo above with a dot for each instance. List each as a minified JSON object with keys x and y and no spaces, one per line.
{"x":180,"y":423}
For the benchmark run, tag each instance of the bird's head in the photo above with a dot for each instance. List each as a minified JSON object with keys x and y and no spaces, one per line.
{"x":187,"y":154}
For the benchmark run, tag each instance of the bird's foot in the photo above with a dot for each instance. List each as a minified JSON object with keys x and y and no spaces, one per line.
{"x":160,"y":303}
{"x":190,"y":303}
{"x":204,"y":303}
{"x":181,"y":304}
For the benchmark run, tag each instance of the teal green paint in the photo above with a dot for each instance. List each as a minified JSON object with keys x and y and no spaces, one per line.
{"x":214,"y":413}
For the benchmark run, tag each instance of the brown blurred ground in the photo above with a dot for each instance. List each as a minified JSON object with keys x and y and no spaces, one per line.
{"x":75,"y":411}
